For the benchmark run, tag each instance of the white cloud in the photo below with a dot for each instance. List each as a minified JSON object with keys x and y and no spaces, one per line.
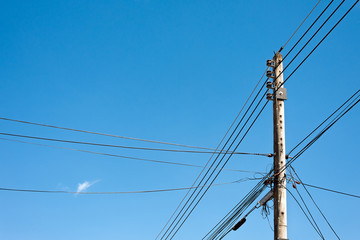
{"x":85,"y":185}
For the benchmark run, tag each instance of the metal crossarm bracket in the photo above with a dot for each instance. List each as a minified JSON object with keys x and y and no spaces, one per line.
{"x":281,"y":94}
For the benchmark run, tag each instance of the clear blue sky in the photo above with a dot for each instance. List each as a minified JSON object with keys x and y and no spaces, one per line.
{"x":176,"y":71}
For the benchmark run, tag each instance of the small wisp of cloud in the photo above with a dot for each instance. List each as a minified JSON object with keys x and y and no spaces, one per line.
{"x":84,"y":186}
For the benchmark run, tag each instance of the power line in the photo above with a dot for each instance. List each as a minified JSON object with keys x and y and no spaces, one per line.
{"x":219,"y":230}
{"x":324,"y":121}
{"x":299,"y":26}
{"x":122,"y":192}
{"x":308,"y":29}
{"x":330,"y":190}
{"x":102,"y":134}
{"x":296,"y":55}
{"x":309,"y":211}
{"x":122,"y":156}
{"x":126,"y":147}
{"x":312,"y":199}
{"x":307,"y":58}
{"x":224,"y":163}
{"x":320,"y":41}
{"x":224,"y":226}
{"x":337,"y":118}
{"x":198,"y":177}
{"x":302,"y":209}
{"x":315,"y":46}
{"x":317,"y":31}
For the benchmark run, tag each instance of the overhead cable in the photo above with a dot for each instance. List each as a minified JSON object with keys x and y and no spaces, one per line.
{"x":126,"y":147}
{"x":316,"y":32}
{"x":299,"y":26}
{"x":317,"y":45}
{"x":103,"y":134}
{"x":326,"y":128}
{"x":312,"y":199}
{"x":338,"y":109}
{"x":208,"y":162}
{"x":224,"y":226}
{"x":223,"y":165}
{"x":122,"y":156}
{"x":116,"y":192}
{"x":308,"y":29}
{"x":330,"y":190}
{"x":307,"y":217}
{"x":303,"y":201}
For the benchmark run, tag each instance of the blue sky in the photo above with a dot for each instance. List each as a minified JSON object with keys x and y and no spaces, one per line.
{"x":176,"y":71}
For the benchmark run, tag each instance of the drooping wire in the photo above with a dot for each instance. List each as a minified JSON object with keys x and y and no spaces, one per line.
{"x":122,"y":156}
{"x":125,"y":147}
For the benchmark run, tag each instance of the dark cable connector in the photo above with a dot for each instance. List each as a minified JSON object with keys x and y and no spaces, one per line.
{"x":241,"y":222}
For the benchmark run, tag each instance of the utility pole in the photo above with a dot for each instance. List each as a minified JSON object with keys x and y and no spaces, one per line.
{"x":279,"y":181}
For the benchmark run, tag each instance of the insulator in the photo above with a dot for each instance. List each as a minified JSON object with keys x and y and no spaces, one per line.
{"x":269,"y":96}
{"x":269,"y":63}
{"x":241,"y":222}
{"x":269,"y":85}
{"x":269,"y":74}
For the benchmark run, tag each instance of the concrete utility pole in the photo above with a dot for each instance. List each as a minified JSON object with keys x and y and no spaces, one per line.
{"x":278,"y":97}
